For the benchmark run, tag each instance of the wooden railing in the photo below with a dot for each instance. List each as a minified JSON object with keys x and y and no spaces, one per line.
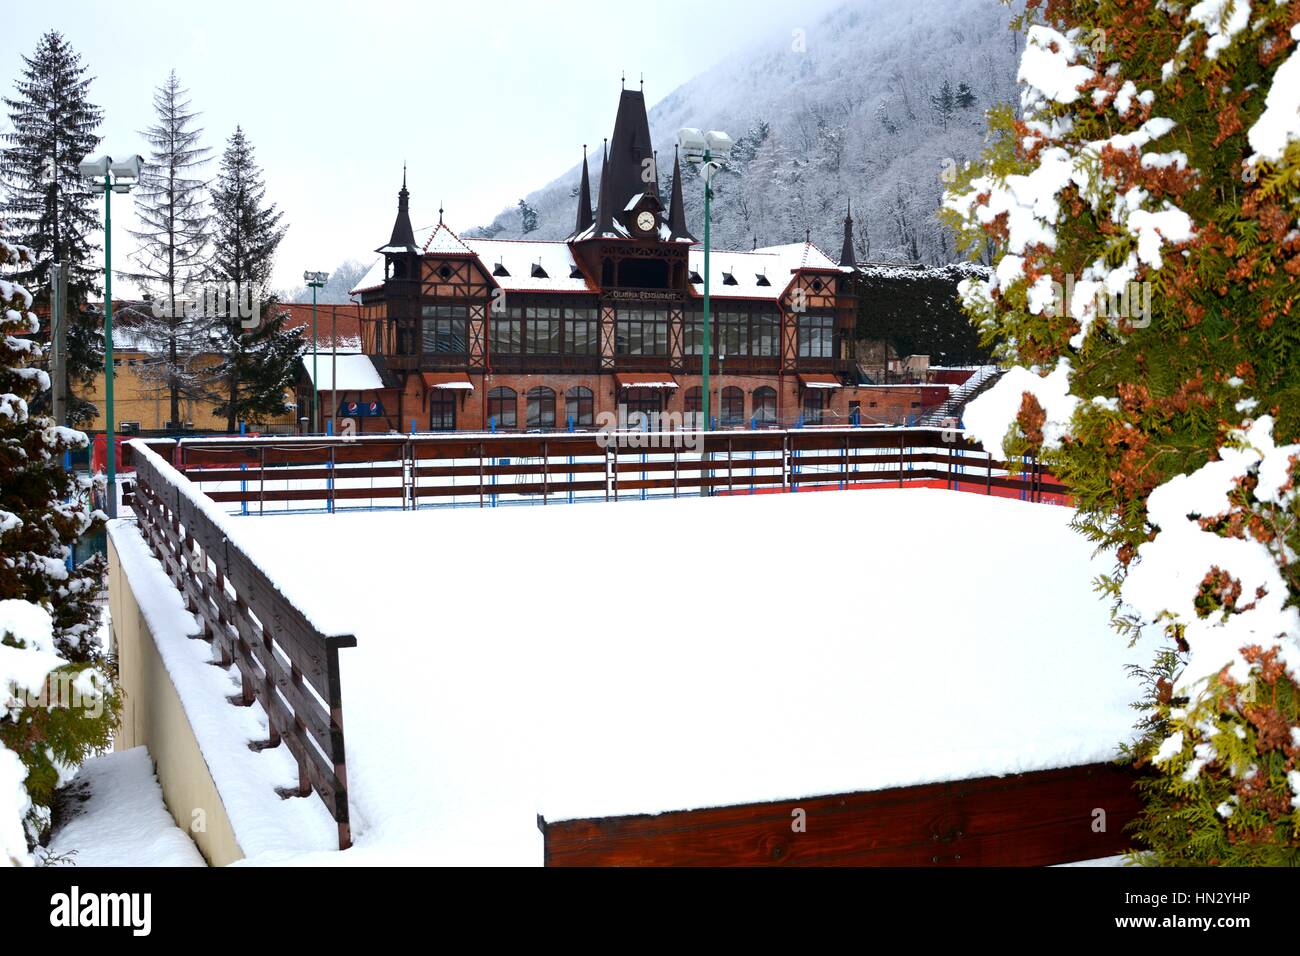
{"x":412,"y":470}
{"x":285,"y":663}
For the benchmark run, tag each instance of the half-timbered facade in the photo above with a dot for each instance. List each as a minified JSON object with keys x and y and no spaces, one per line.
{"x":470,"y":333}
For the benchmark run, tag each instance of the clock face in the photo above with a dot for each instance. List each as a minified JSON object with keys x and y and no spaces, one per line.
{"x":645,"y":220}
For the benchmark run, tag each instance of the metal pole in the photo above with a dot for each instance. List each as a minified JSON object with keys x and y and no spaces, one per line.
{"x":334,"y":366}
{"x":708,"y":196}
{"x":315,"y":381}
{"x":110,"y":450}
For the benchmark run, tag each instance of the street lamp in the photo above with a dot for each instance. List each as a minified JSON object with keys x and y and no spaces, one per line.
{"x":315,"y":280}
{"x":117,"y":176}
{"x":710,"y":151}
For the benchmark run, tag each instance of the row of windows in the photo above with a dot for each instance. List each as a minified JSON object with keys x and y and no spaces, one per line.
{"x":553,"y":330}
{"x":539,"y":412}
{"x":579,"y":406}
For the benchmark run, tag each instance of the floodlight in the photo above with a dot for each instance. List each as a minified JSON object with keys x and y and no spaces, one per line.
{"x":720,"y":145}
{"x":692,"y":144}
{"x":93,"y":167}
{"x":126,"y":170}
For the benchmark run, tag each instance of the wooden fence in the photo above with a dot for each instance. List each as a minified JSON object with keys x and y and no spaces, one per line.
{"x":285,"y":663}
{"x":1030,"y":819}
{"x":417,"y":470}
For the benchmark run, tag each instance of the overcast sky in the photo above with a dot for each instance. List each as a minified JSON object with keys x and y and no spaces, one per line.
{"x":484,"y":100}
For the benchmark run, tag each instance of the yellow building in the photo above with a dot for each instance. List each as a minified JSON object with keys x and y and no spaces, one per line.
{"x":142,"y":402}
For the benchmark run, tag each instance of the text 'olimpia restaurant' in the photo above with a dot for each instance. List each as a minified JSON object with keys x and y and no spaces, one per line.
{"x":513,"y":334}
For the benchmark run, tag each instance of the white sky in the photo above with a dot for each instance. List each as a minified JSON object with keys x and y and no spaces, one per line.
{"x":485,"y":100}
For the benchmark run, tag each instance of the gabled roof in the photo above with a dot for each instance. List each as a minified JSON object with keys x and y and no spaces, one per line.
{"x":443,"y":241}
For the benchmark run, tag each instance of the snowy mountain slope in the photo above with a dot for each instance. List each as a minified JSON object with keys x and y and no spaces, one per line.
{"x":872,"y":109}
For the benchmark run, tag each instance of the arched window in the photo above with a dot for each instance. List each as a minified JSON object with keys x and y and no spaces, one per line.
{"x":580,"y":407}
{"x":694,"y":399}
{"x":503,"y":407}
{"x":765,"y":405}
{"x":733,"y":406}
{"x":541,"y":407}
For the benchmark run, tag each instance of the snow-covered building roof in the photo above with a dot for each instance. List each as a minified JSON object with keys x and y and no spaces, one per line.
{"x":444,"y":242}
{"x":357,"y":373}
{"x":533,"y":266}
{"x":762,"y":273}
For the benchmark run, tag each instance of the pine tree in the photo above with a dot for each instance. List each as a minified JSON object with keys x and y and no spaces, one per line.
{"x":170,"y":203}
{"x":57,"y":714}
{"x":49,"y":209}
{"x":259,"y":357}
{"x":1166,"y":157}
{"x":965,"y":96}
{"x":944,"y":102}
{"x":527,"y":217}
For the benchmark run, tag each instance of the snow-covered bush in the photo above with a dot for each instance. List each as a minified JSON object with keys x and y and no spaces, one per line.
{"x":57,"y":698}
{"x":1156,"y":160}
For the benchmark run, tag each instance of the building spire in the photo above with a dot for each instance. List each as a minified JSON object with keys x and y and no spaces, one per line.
{"x":584,"y":197}
{"x":676,"y":208}
{"x":440,"y":212}
{"x":403,"y":237}
{"x":846,"y":252}
{"x":604,"y":212}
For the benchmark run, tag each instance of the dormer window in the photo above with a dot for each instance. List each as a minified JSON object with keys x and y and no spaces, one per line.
{"x":500,"y":270}
{"x":728,"y":279}
{"x":761,"y":279}
{"x":538,"y":272}
{"x":695,"y":278}
{"x":575,"y":273}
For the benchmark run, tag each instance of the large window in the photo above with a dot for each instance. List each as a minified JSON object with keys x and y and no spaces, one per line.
{"x":542,"y":330}
{"x":692,"y":332}
{"x":580,"y":407}
{"x":816,"y":335}
{"x":443,"y":329}
{"x":765,"y":405}
{"x":541,"y":407}
{"x":503,"y":407}
{"x":733,"y":406}
{"x":508,"y":331}
{"x":580,"y":332}
{"x":814,"y":404}
{"x":641,"y":331}
{"x":766,"y":334}
{"x":442,"y":410}
{"x":733,"y":332}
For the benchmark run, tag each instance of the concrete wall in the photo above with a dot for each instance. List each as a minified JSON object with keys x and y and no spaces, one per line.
{"x":152,"y":716}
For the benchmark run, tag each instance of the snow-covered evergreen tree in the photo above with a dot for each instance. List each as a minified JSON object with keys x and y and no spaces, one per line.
{"x":57,"y":698}
{"x":171,"y":204}
{"x":259,"y":356}
{"x":48,"y":208}
{"x":1143,"y":216}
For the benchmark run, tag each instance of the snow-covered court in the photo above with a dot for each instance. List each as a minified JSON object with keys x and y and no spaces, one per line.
{"x":596,"y":660}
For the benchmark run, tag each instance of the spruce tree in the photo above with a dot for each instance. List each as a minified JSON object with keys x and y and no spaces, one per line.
{"x":170,"y":203}
{"x":56,"y":682}
{"x":259,"y":356}
{"x":1142,"y":213}
{"x":49,"y":209}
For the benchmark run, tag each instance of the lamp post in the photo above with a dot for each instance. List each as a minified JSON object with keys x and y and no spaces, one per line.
{"x":315,"y":280}
{"x":710,"y":151}
{"x":117,"y":176}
